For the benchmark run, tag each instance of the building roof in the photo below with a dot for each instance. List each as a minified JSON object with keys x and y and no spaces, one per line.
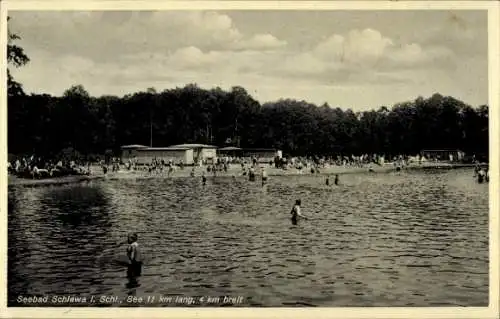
{"x":230,"y":148}
{"x":133,"y":146}
{"x":193,"y":146}
{"x":164,"y":149}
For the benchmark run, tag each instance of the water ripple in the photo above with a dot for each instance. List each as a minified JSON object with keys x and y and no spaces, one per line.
{"x":407,"y":239}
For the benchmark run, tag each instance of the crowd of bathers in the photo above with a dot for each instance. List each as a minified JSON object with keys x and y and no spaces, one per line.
{"x":39,"y":167}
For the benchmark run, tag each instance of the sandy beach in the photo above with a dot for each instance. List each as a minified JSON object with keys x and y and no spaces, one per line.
{"x":233,"y":170}
{"x":236,"y":171}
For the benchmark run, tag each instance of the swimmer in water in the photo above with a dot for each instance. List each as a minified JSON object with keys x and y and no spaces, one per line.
{"x":336,"y":179}
{"x":251,"y":174}
{"x":134,"y":257}
{"x":264,"y":176}
{"x":481,"y":175}
{"x":476,"y":170}
{"x":296,"y":212}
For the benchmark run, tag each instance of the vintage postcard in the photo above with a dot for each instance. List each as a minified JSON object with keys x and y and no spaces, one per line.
{"x":250,"y":159}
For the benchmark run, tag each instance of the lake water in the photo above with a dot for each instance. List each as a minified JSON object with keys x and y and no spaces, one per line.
{"x":398,"y":239}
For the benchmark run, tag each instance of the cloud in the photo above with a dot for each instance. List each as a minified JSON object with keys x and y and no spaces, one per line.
{"x":414,"y":55}
{"x":359,"y":56}
{"x":343,"y":57}
{"x":370,"y":48}
{"x":356,"y":46}
{"x":260,"y":42}
{"x":211,"y":30}
{"x":205,"y":28}
{"x":192,"y":58}
{"x":124,"y":52}
{"x":363,"y":56}
{"x":103,"y":36}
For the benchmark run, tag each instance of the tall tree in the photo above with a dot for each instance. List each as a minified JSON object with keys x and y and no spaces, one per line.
{"x":17,"y":58}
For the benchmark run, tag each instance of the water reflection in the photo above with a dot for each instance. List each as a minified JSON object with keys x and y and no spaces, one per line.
{"x":79,"y":211}
{"x":403,"y":239}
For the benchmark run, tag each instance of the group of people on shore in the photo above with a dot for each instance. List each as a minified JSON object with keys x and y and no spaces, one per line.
{"x":314,"y":164}
{"x":156,"y":166}
{"x":38,"y":167}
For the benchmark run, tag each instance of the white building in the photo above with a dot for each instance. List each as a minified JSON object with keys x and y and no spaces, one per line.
{"x":201,"y":152}
{"x":174,"y":155}
{"x":130,"y":152}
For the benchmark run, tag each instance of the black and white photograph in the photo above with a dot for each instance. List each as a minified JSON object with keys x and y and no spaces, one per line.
{"x":248,"y":158}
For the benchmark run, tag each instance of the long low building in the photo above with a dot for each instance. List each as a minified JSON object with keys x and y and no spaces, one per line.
{"x":192,"y":154}
{"x":174,"y":155}
{"x":187,"y":154}
{"x":202,"y":153}
{"x":263,"y":155}
{"x":230,"y":151}
{"x":145,"y":155}
{"x":130,"y":152}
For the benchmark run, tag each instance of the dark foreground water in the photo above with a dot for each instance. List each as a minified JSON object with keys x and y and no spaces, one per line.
{"x":398,"y":239}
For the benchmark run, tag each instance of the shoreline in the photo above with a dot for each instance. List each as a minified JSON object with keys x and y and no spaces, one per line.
{"x":16,"y":181}
{"x":234,"y":170}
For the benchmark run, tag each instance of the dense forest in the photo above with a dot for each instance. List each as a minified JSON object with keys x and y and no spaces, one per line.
{"x":46,"y":125}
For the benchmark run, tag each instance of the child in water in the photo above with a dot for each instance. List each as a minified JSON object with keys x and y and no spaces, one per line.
{"x":336,"y":179}
{"x":296,"y":212}
{"x":251,"y":174}
{"x":203,"y":179}
{"x":134,"y":257}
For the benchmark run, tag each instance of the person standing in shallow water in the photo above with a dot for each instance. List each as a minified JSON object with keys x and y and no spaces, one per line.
{"x":134,"y":257}
{"x":251,"y":175}
{"x":336,"y":179}
{"x":203,"y":179}
{"x":296,"y":212}
{"x":264,"y":176}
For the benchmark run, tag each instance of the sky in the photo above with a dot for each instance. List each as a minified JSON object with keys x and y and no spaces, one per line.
{"x":350,"y":59}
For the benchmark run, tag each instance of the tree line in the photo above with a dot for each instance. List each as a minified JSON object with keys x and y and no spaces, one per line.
{"x":46,"y":125}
